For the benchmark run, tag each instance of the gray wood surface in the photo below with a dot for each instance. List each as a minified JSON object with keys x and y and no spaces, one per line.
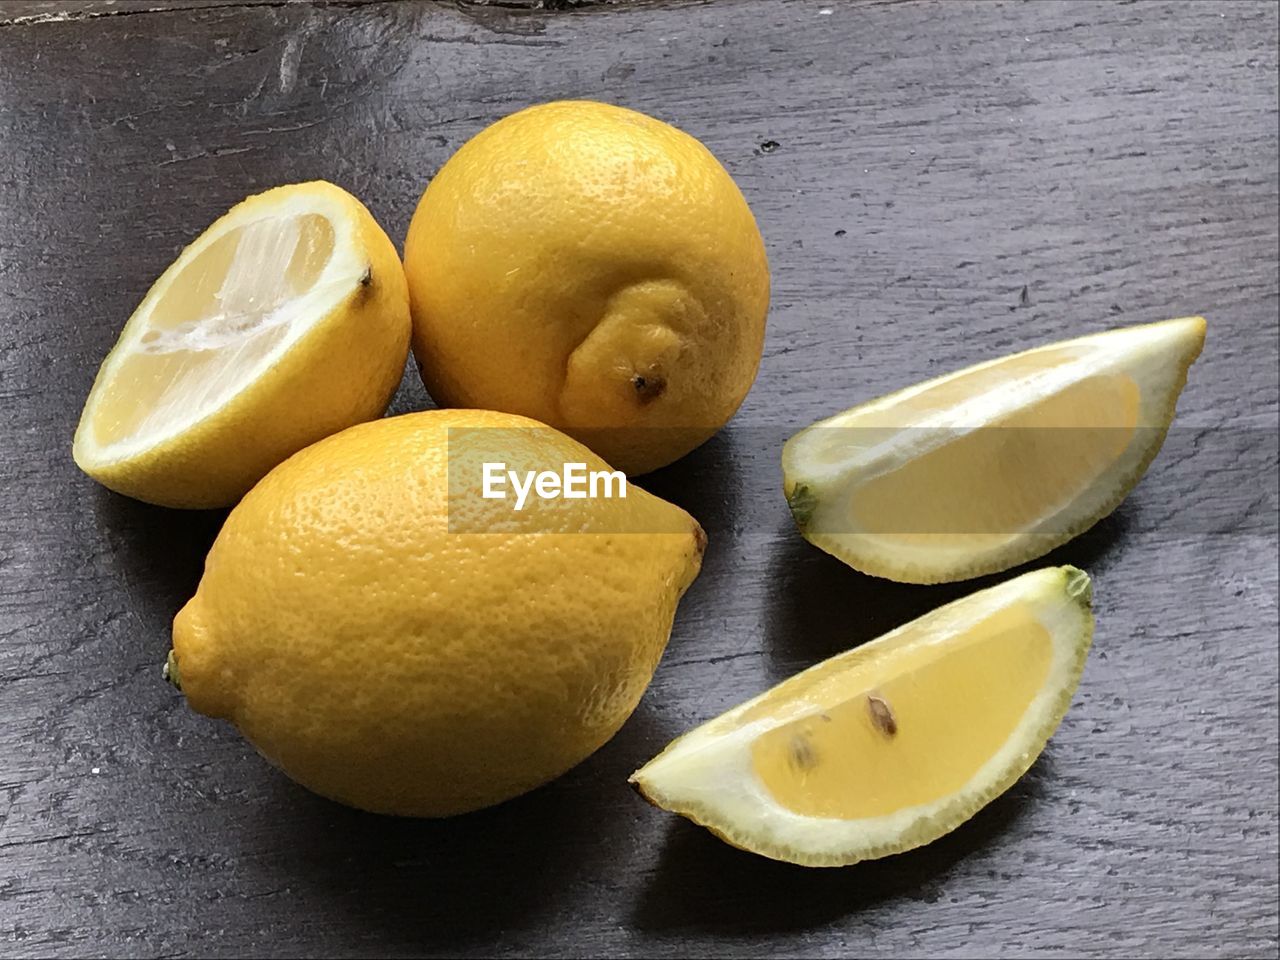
{"x":915,"y":168}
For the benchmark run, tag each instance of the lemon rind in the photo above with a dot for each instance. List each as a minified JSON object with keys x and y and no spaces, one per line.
{"x":706,"y":774}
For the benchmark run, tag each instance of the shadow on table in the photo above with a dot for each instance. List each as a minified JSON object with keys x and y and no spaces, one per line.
{"x":706,"y":482}
{"x":483,"y":880}
{"x":820,"y":606}
{"x":161,"y":550}
{"x":704,"y":884}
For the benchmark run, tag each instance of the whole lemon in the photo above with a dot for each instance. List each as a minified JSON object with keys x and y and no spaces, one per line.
{"x":593,"y":268}
{"x":395,"y":640}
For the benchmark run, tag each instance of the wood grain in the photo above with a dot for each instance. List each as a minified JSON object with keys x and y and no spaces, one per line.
{"x":915,"y":168}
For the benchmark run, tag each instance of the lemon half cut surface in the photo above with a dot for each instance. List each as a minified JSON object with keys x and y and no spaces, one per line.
{"x":892,"y":744}
{"x":995,"y":465}
{"x":285,"y":321}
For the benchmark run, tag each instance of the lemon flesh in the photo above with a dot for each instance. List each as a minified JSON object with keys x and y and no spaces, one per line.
{"x":992,"y":466}
{"x":285,"y":321}
{"x":236,"y":303}
{"x":895,"y":743}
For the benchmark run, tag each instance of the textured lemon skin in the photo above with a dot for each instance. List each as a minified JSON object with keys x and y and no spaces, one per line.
{"x":342,"y":371}
{"x":593,"y":268}
{"x":388,"y":663}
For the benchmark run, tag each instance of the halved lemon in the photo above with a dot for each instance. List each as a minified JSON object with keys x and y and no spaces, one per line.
{"x":892,"y":744}
{"x":285,"y":321}
{"x":995,"y":465}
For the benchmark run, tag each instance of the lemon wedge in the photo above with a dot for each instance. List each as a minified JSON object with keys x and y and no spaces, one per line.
{"x":285,"y":321}
{"x":995,"y":465}
{"x":895,"y":743}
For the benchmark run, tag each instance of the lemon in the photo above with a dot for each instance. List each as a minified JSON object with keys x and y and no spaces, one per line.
{"x":595,"y":269}
{"x":393,"y":640}
{"x":285,"y":321}
{"x":895,"y":743}
{"x":992,"y":466}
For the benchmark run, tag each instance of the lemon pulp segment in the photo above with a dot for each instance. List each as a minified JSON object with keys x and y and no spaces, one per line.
{"x":221,"y":319}
{"x":993,"y":480}
{"x":908,"y":728}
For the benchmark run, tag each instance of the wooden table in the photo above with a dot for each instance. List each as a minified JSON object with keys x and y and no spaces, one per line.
{"x":937,"y":183}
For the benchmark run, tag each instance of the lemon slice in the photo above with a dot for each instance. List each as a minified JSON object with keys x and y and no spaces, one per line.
{"x":285,"y":321}
{"x":992,"y":466}
{"x":895,"y":743}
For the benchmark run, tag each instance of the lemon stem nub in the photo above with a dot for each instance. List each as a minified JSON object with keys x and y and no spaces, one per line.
{"x":1078,"y":584}
{"x":171,"y":671}
{"x":648,"y":388}
{"x":802,"y":503}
